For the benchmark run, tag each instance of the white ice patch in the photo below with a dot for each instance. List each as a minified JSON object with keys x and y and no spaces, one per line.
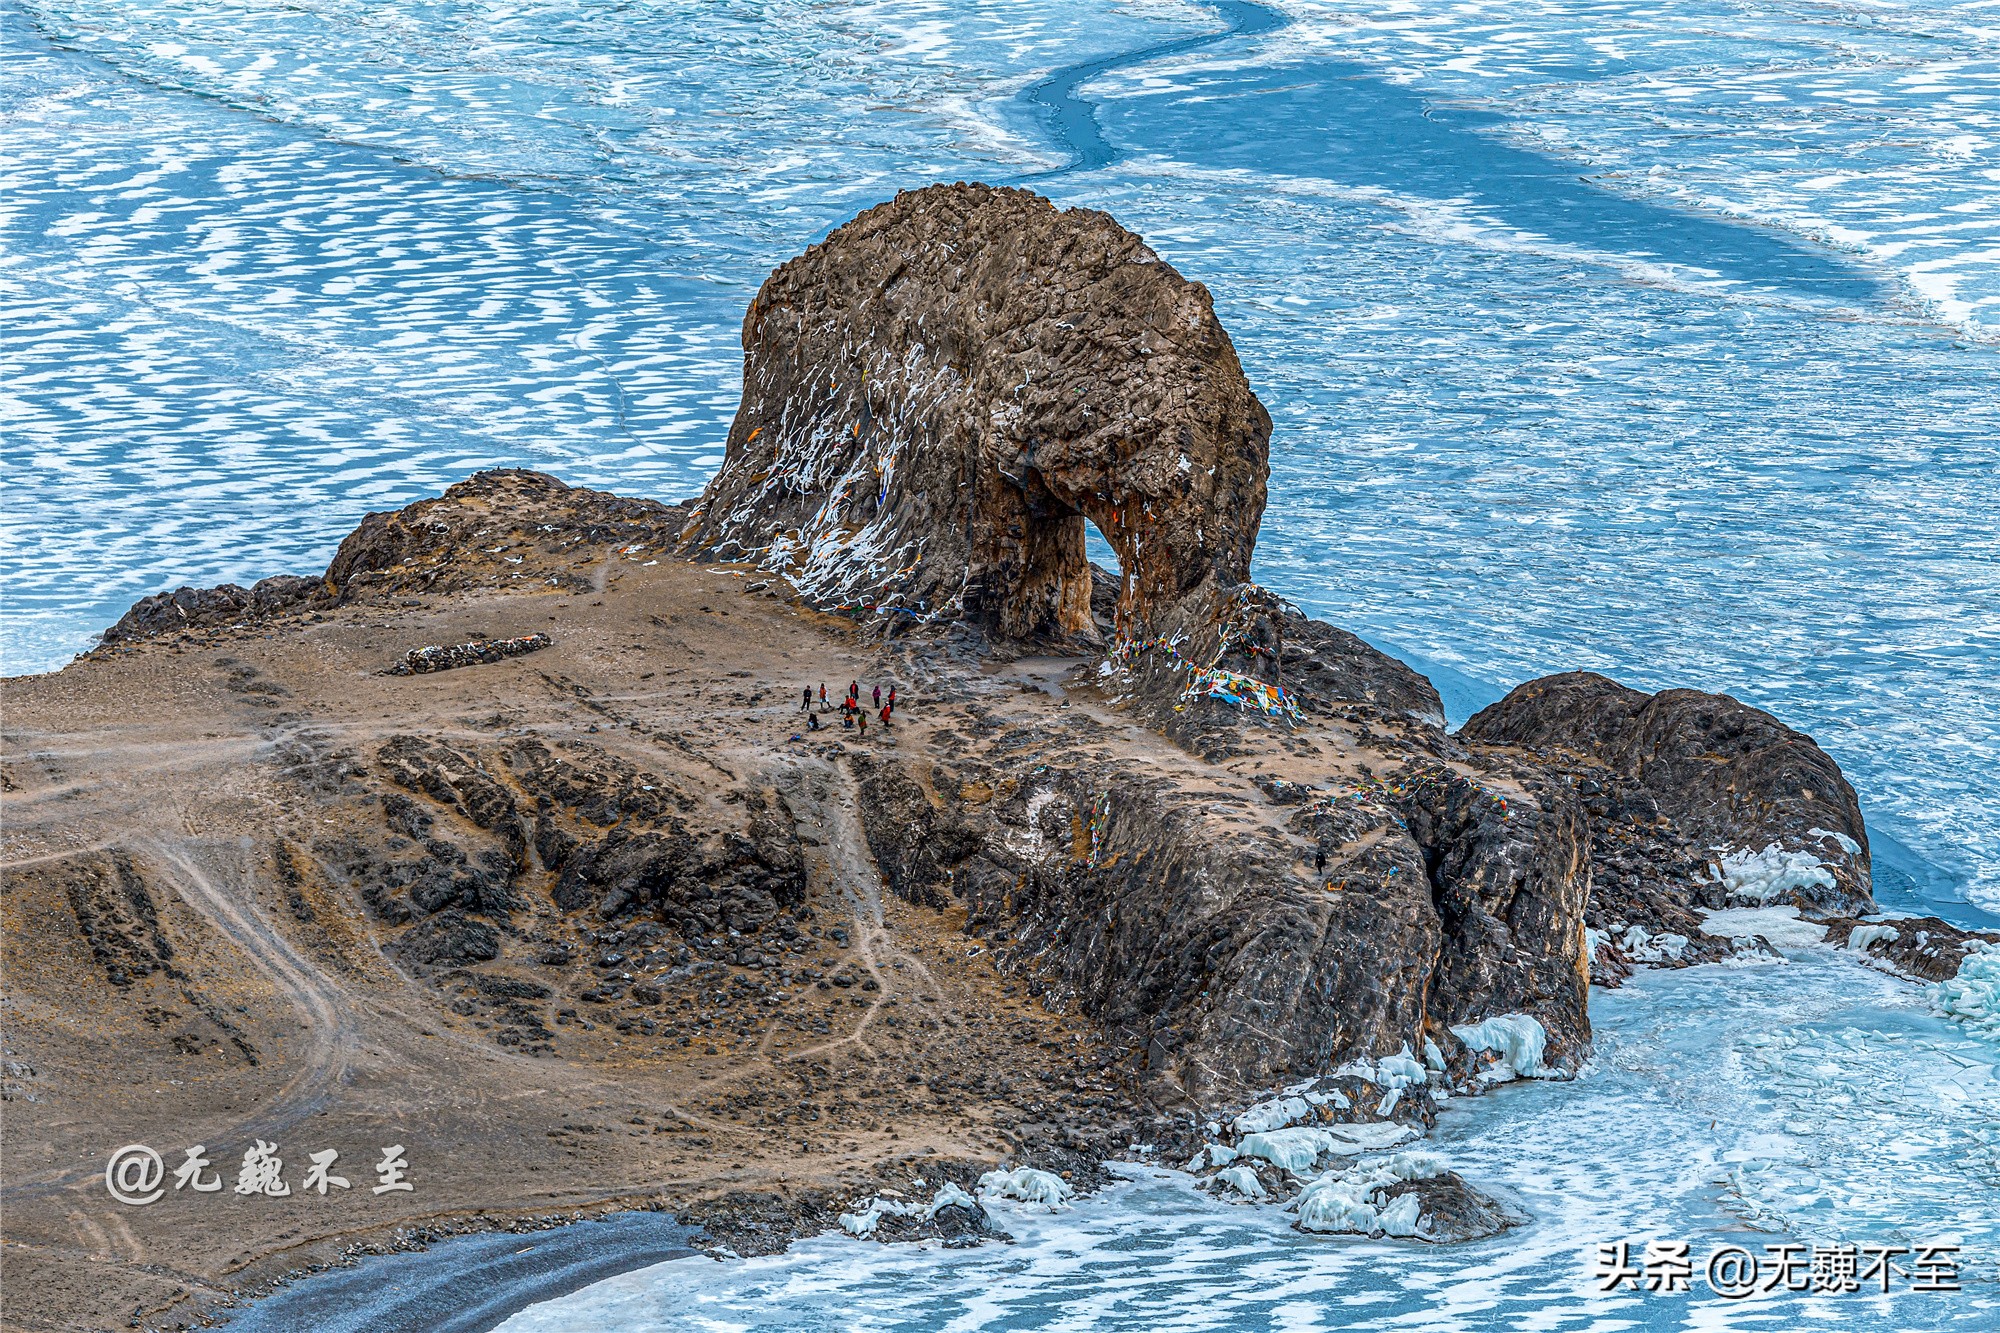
{"x":1517,"y":1041}
{"x":1273,"y":1114}
{"x":1973,"y":996}
{"x":1294,"y":1106}
{"x":1758,"y":877}
{"x":1299,"y":1149}
{"x":950,"y":1196}
{"x":1400,"y":1217}
{"x":1244,"y":1181}
{"x":1779,"y":925}
{"x":1863,"y":936}
{"x":1390,"y":1071}
{"x":1642,"y":946}
{"x":1350,"y":1200}
{"x":1028,"y":1185}
{"x":863,"y":1221}
{"x":1845,"y":843}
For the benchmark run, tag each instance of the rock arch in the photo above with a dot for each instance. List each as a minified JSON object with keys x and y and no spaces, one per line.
{"x":938,"y":394}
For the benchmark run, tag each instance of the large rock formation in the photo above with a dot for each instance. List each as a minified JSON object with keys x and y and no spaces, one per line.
{"x":937,"y":396}
{"x":503,"y":528}
{"x":1761,"y":802}
{"x":1243,"y":935}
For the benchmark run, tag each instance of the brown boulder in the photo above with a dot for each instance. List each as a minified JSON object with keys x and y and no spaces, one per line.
{"x":1730,"y":777}
{"x":497,"y":528}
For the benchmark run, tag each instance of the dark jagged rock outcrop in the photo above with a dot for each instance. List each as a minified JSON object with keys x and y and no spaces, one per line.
{"x":1724,"y":776}
{"x":507,"y":527}
{"x":1323,"y":665}
{"x":604,"y":840}
{"x":117,"y":917}
{"x":1216,"y":945}
{"x":185,"y":607}
{"x":937,"y":396}
{"x":1453,"y":1211}
{"x":452,"y":656}
{"x":1508,"y":884}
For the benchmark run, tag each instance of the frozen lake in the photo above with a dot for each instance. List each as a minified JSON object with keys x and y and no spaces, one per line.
{"x":1661,"y":339}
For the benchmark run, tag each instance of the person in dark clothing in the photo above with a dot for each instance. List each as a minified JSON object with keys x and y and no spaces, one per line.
{"x":812,"y":721}
{"x":1319,"y":860}
{"x":878,"y":696}
{"x":854,"y":689}
{"x":806,"y":700}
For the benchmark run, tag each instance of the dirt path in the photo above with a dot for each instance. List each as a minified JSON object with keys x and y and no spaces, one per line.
{"x":825,"y":798}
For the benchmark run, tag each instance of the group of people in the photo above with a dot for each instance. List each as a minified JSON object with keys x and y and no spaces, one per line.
{"x":852,"y":714}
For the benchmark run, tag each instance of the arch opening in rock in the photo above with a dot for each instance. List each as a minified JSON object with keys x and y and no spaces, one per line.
{"x":1098,"y":550}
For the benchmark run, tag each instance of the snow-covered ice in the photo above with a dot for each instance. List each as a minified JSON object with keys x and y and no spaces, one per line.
{"x":1299,"y":1148}
{"x":1516,"y":1042}
{"x":1028,"y":1185}
{"x":1758,"y":877}
{"x":1781,"y":926}
{"x":1973,"y":996}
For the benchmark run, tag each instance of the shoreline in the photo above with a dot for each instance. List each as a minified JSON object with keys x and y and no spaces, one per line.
{"x":465,"y":1283}
{"x":686,"y":1089}
{"x":1529,"y":1103}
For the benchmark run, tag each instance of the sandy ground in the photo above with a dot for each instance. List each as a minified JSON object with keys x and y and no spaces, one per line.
{"x":304,"y":1035}
{"x":201,"y":757}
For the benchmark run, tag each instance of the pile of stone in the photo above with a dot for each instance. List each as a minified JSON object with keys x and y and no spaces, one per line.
{"x":444,"y":657}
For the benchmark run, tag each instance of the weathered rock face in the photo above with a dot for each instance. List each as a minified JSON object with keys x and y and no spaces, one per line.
{"x":938,"y":395}
{"x":165,"y":612}
{"x":1208,"y":934}
{"x":1508,"y":885}
{"x":1724,"y":774}
{"x":472,"y":835}
{"x":1455,"y":1211}
{"x":503,"y":528}
{"x":1323,"y":666}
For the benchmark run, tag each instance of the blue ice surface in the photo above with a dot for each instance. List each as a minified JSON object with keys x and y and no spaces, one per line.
{"x":1656,"y":339}
{"x":1621,"y":337}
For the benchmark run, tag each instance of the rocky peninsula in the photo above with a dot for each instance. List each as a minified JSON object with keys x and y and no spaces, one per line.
{"x":521,"y":839}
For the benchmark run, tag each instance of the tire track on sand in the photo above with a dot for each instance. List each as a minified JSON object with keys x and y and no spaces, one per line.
{"x":333,"y":1032}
